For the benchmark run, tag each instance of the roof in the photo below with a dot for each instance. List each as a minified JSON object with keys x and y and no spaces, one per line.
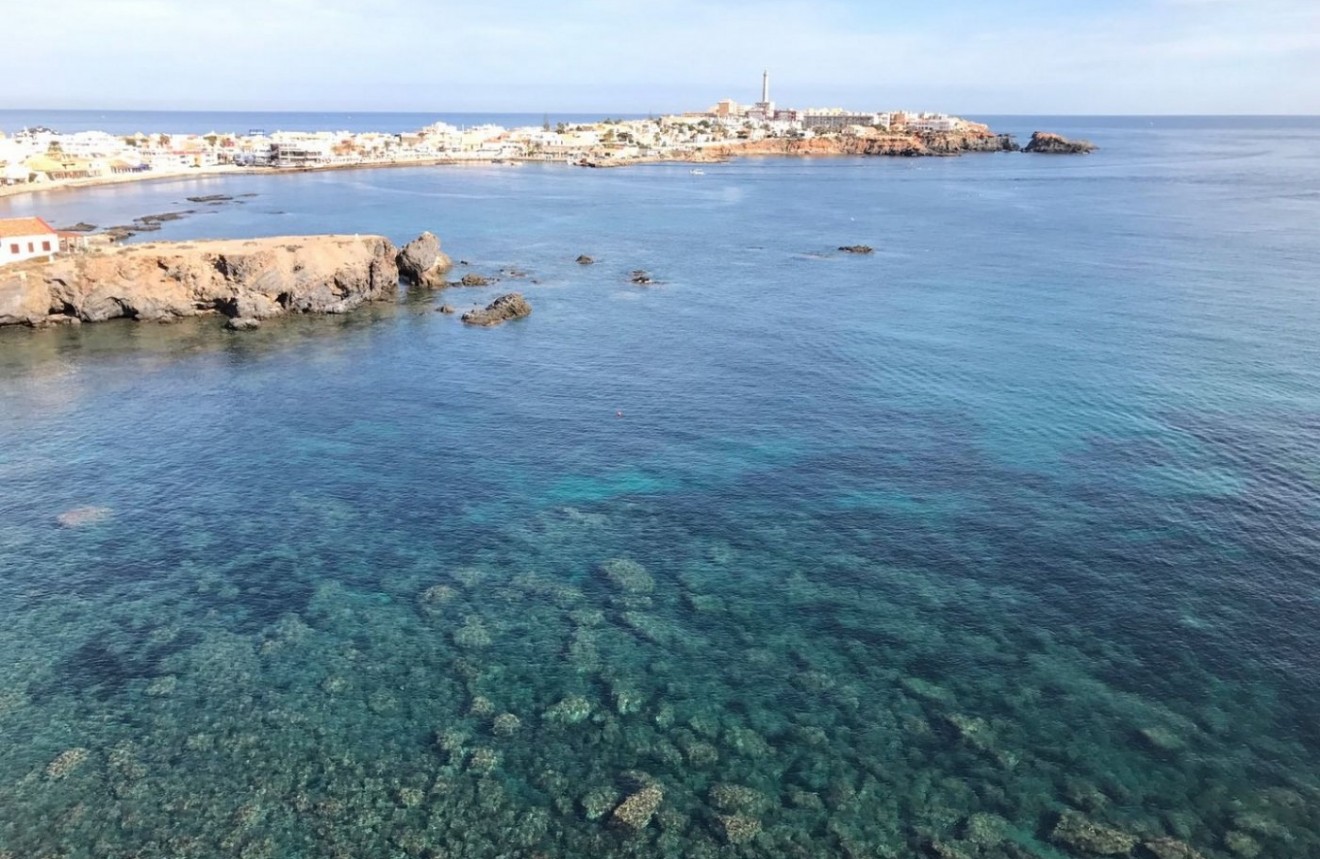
{"x":11,"y":227}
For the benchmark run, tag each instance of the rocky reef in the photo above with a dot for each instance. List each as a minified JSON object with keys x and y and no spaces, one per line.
{"x":240,"y":279}
{"x":1046,"y":143}
{"x":502,"y":309}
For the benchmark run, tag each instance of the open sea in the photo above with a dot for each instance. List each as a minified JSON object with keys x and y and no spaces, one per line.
{"x":1002,"y":542}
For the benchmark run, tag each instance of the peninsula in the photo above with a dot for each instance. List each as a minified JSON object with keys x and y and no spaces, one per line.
{"x":42,"y":158}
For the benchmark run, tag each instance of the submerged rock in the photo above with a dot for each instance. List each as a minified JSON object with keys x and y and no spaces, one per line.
{"x":598,"y":802}
{"x":502,"y":309}
{"x":474,"y":280}
{"x":446,"y":309}
{"x":627,"y":575}
{"x":585,"y":260}
{"x":1241,"y":844}
{"x":1078,"y":833}
{"x":636,"y":811}
{"x":857,"y":249}
{"x":66,"y":763}
{"x":641,"y":278}
{"x":80,"y":517}
{"x":739,"y":829}
{"x":1169,"y":848}
{"x":569,"y":711}
{"x":506,"y":725}
{"x":737,"y":799}
{"x":242,"y":323}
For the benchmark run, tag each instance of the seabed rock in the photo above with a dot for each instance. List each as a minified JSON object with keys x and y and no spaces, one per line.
{"x":636,"y":811}
{"x":1241,"y":844}
{"x":1078,"y":833}
{"x":506,"y":725}
{"x":628,"y":576}
{"x":66,"y":763}
{"x":598,"y":802}
{"x":569,"y":711}
{"x":739,"y":829}
{"x":79,"y":517}
{"x":1169,"y":848}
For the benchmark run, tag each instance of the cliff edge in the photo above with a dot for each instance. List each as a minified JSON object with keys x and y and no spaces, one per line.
{"x":249,"y":279}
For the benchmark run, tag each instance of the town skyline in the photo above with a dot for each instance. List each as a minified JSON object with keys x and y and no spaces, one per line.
{"x":1121,"y":57}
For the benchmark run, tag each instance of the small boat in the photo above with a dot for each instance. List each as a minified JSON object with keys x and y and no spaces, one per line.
{"x":697,"y":171}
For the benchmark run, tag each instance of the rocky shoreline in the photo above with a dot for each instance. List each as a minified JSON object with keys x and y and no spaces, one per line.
{"x":244,"y":281}
{"x":901,"y":145}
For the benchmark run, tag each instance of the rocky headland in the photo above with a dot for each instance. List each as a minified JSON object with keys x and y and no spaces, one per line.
{"x":251,"y":279}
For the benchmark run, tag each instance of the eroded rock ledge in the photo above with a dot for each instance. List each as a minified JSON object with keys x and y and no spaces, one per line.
{"x":241,"y":279}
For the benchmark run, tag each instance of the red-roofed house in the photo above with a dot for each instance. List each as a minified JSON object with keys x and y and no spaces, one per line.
{"x":26,"y":238}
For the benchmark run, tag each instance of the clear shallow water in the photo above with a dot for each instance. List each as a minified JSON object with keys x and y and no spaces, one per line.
{"x":1012,"y":518}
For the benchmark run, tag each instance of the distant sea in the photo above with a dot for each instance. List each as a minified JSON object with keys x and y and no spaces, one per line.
{"x":1000,"y":542}
{"x":125,"y":122}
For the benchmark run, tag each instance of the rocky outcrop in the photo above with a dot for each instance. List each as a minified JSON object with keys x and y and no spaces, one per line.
{"x":252,"y":279}
{"x":502,"y":309}
{"x":1045,"y":143}
{"x":857,"y":249}
{"x":422,"y":263}
{"x":895,"y":144}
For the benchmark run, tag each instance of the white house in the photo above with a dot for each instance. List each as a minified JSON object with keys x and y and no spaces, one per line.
{"x":27,"y":238}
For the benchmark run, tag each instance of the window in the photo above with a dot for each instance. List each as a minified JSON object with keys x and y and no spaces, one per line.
{"x":13,"y":249}
{"x":45,"y":246}
{"x":31,"y":248}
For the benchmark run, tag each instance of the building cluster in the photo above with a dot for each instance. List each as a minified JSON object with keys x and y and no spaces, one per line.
{"x":767,"y":116}
{"x":43,"y":156}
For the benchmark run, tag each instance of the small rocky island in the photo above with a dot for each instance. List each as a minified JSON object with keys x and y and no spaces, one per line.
{"x":1046,"y":143}
{"x":244,"y":281}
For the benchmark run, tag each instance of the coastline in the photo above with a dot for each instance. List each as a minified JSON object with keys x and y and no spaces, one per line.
{"x":889,"y":146}
{"x":224,"y":170}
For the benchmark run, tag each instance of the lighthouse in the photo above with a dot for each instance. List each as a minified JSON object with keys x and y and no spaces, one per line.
{"x":765,"y":108}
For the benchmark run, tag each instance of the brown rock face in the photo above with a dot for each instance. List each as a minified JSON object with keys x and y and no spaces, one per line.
{"x":422,"y":263}
{"x":502,"y":309}
{"x":239,"y":279}
{"x":1045,"y":143}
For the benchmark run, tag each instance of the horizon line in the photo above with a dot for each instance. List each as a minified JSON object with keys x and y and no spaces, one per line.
{"x":626,"y":113}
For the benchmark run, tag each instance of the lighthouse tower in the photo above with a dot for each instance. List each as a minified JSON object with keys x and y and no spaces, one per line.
{"x":765,"y":108}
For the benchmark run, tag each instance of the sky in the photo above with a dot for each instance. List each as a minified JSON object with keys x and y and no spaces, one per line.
{"x":962,"y":56}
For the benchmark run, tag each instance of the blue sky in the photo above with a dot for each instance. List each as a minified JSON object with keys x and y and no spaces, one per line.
{"x":969,"y":56}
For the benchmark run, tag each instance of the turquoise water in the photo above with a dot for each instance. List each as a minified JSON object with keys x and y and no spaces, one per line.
{"x":903,"y":555}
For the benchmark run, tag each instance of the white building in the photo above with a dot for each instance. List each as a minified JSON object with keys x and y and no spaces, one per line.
{"x":27,"y":238}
